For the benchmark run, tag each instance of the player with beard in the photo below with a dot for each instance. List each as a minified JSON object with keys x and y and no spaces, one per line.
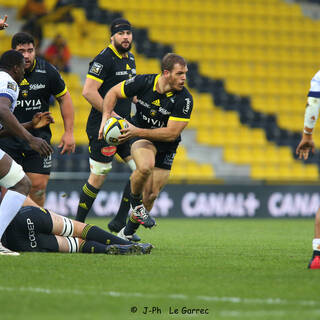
{"x":41,"y":80}
{"x":112,"y":65}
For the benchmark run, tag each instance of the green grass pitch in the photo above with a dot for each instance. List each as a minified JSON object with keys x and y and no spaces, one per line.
{"x":231,"y":269}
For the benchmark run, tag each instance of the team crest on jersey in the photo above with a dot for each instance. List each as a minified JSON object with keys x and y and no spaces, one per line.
{"x":24,"y":93}
{"x":13,"y":86}
{"x":96,"y":68}
{"x":153,"y":112}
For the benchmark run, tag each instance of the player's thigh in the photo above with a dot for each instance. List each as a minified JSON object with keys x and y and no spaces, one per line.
{"x":39,"y":181}
{"x":5,"y":163}
{"x":143,"y":153}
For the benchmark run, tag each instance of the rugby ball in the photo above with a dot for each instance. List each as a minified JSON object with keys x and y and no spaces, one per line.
{"x":111,"y":130}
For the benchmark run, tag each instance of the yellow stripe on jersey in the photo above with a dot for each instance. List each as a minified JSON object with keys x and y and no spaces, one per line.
{"x":61,"y":93}
{"x":94,"y":78}
{"x":179,"y":119}
{"x":155,"y":82}
{"x":122,"y":89}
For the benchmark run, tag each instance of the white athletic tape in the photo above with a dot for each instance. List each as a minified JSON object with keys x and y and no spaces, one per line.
{"x":99,"y":168}
{"x":132,"y":165}
{"x":73,"y":244}
{"x":14,"y":175}
{"x":67,"y":230}
{"x":312,"y":112}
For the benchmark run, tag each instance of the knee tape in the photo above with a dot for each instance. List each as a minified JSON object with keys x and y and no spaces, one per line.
{"x":14,"y":175}
{"x":67,"y":230}
{"x":132,"y":165}
{"x":99,"y":168}
{"x":73,"y":244}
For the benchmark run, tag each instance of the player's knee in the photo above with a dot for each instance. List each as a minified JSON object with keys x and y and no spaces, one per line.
{"x":145,"y":169}
{"x":99,"y":168}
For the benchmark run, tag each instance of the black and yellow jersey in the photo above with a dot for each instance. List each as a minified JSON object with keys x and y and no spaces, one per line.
{"x":154,"y":110}
{"x":109,"y":68}
{"x":38,"y":85}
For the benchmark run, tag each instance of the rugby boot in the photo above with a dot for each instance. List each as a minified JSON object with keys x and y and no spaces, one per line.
{"x":140,"y":215}
{"x":314,"y":262}
{"x":6,"y":252}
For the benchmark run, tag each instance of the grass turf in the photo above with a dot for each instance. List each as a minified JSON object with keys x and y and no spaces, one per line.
{"x":232,"y":269}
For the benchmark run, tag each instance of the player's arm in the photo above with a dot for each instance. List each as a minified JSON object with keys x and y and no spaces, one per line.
{"x":67,"y":112}
{"x":10,"y":122}
{"x":39,"y":120}
{"x":109,"y":102}
{"x":91,"y":94}
{"x":310,"y":118}
{"x":166,"y":134}
{"x":3,"y":23}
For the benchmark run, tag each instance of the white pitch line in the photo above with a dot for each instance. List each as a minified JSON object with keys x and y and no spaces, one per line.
{"x":235,"y":300}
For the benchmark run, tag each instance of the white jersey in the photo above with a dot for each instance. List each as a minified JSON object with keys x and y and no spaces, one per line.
{"x":8,"y":88}
{"x":315,"y":86}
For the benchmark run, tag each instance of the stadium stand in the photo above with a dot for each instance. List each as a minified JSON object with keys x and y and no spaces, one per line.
{"x":249,"y":71}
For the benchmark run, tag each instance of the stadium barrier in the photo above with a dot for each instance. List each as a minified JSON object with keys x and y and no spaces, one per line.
{"x":196,"y":201}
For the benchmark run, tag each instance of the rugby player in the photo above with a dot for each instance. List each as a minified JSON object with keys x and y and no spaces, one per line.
{"x":303,"y":150}
{"x":12,"y":175}
{"x":40,"y":230}
{"x":41,"y":80}
{"x":164,"y":107}
{"x":111,"y":66}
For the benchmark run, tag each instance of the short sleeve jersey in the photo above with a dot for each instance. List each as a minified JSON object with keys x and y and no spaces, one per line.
{"x":42,"y":81}
{"x":154,"y":110}
{"x":9,"y":89}
{"x":109,"y":68}
{"x":315,"y":86}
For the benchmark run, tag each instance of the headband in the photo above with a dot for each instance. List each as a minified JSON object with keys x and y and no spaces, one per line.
{"x":120,"y":27}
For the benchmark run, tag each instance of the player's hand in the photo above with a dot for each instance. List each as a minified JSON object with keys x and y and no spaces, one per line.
{"x":41,"y":119}
{"x":67,"y":143}
{"x":128,"y":133}
{"x":104,"y":119}
{"x":305,"y":146}
{"x":3,"y":23}
{"x":40,"y":145}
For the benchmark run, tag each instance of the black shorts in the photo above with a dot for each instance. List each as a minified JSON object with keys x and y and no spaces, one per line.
{"x":30,"y":230}
{"x":100,"y":151}
{"x":31,"y":161}
{"x":164,"y":156}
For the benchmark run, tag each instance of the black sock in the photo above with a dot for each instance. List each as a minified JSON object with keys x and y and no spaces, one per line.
{"x":131,"y":227}
{"x":122,"y":213}
{"x":87,"y":197}
{"x":99,"y":235}
{"x":92,"y":247}
{"x":135,"y":200}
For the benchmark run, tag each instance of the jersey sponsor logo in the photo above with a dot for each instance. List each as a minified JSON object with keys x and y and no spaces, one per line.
{"x":156,"y":123}
{"x":96,"y":68}
{"x":156,"y":102}
{"x":31,"y":233}
{"x":186,"y":108}
{"x":164,"y":111}
{"x":128,"y":81}
{"x":13,"y":86}
{"x":37,"y":86}
{"x":40,"y":71}
{"x":121,"y":73}
{"x":145,"y":104}
{"x":35,"y":104}
{"x":108,"y":151}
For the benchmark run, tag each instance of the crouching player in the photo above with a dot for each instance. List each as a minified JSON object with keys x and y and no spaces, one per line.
{"x":41,"y":230}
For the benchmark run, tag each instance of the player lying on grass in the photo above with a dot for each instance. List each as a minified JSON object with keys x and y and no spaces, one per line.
{"x":41,"y":230}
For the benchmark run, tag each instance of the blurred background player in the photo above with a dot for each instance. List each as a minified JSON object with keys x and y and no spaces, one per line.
{"x":40,"y":230}
{"x":58,"y":54}
{"x":164,"y":107}
{"x":303,"y":150}
{"x":41,"y":80}
{"x":3,"y":23}
{"x":12,"y":176}
{"x":111,"y":66}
